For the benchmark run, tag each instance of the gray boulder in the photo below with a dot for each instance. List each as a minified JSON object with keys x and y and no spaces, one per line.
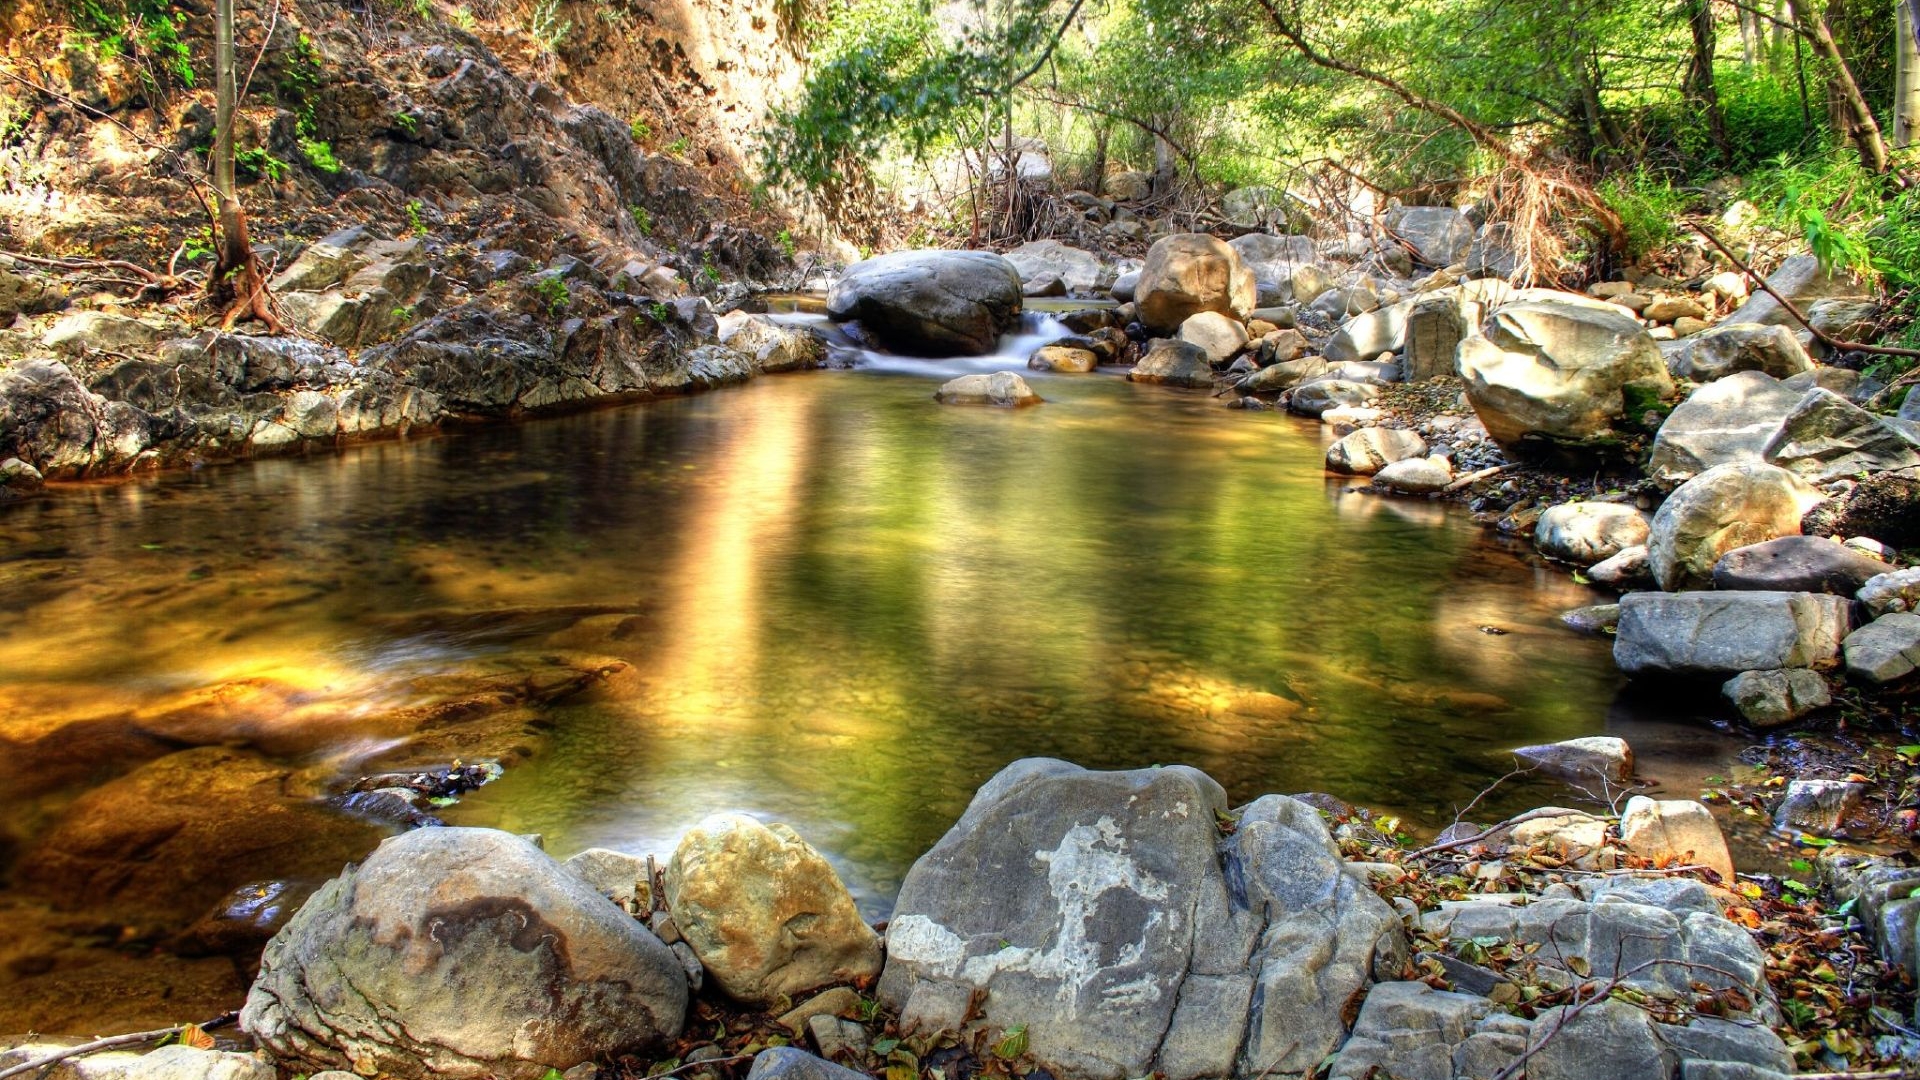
{"x":1416,"y":476}
{"x":1885,"y":650}
{"x":1773,"y":698}
{"x":1797,"y":564}
{"x":1589,"y":532}
{"x":1438,"y":235}
{"x":1368,"y":450}
{"x":1735,"y":347}
{"x":1560,"y":371}
{"x":1724,"y":508}
{"x":1189,"y":273}
{"x":1726,"y":422}
{"x":1827,"y":437}
{"x":1273,"y":259}
{"x":1326,"y":392}
{"x":1597,"y":759}
{"x":462,"y":953}
{"x":1895,"y":590}
{"x":1220,"y":337}
{"x":787,"y":1063}
{"x":1173,"y":363}
{"x":1710,"y":633}
{"x":1003,"y":389}
{"x":51,"y":421}
{"x":1801,"y":280}
{"x":1821,"y":807}
{"x":1081,"y":272}
{"x":1625,"y":569}
{"x":930,"y":303}
{"x":1106,"y":914}
{"x":1368,"y":334}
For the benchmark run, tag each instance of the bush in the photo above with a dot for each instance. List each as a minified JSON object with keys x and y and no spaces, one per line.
{"x":1648,"y":207}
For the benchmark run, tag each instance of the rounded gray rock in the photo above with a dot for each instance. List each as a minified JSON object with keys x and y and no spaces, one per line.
{"x":930,"y":303}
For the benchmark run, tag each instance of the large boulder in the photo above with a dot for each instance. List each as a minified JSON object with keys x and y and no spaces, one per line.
{"x":1797,"y":564}
{"x":1885,"y":650}
{"x":1801,"y":280}
{"x":1438,"y":235}
{"x":1369,"y":334}
{"x":764,"y":912}
{"x":1735,"y":347}
{"x":1189,"y":273}
{"x":1081,"y":271}
{"x":1726,"y":507}
{"x":930,"y":303}
{"x":1885,"y":506}
{"x":1435,"y":327}
{"x":768,"y":345}
{"x":50,"y":420}
{"x":1560,"y":371}
{"x":1827,"y":437}
{"x":1274,"y":259}
{"x":462,"y":953}
{"x":1589,"y":532}
{"x":1724,"y":422}
{"x":1713,"y":633}
{"x":1106,"y":914}
{"x":1173,"y":363}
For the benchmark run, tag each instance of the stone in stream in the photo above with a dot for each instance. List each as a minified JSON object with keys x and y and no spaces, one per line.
{"x":1416,"y":476}
{"x":764,"y":911}
{"x":1725,"y":508}
{"x":1713,"y":633}
{"x":1820,"y":807}
{"x":1780,"y":696}
{"x":1002,"y":388}
{"x":1368,"y":450}
{"x":1797,"y":564}
{"x":1063,"y":358}
{"x":1597,"y":759}
{"x":1722,"y":423}
{"x":1274,"y":259}
{"x":1436,"y":325}
{"x":1595,"y":619}
{"x":1567,"y":371}
{"x":1173,"y":363}
{"x":1885,"y":650}
{"x":616,"y":875}
{"x":1585,"y":533}
{"x":930,"y":303}
{"x":1438,"y":235}
{"x":462,"y":953}
{"x":1188,"y":273}
{"x":1675,"y":831}
{"x":1367,"y":335}
{"x":1220,"y":337}
{"x":1107,"y":914}
{"x":1626,"y":568}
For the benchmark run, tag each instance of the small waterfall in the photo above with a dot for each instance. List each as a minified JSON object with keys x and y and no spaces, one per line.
{"x":1034,"y":329}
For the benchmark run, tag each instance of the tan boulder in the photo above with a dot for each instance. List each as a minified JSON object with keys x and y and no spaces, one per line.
{"x":1189,"y":273}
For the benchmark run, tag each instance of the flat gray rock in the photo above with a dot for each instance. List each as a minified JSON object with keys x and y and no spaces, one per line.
{"x":1797,"y":564}
{"x":1713,"y":633}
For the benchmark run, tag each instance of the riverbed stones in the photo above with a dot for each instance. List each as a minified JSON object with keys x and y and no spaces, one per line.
{"x":1063,"y":358}
{"x":1895,"y":590}
{"x":1735,"y":347}
{"x":1316,"y":396}
{"x":1003,"y":389}
{"x":1559,"y":371}
{"x":1188,"y":273}
{"x":1368,"y":450}
{"x":1368,"y":334}
{"x":1885,"y":650}
{"x":1827,"y":437}
{"x":1724,"y":508}
{"x":1220,"y":337}
{"x":1106,"y":914}
{"x":1797,"y":564}
{"x":930,"y":303}
{"x":765,"y":912}
{"x":462,"y":953}
{"x":1081,"y":272}
{"x":1625,"y":569}
{"x":1715,"y":633}
{"x":1729,"y":421}
{"x":1274,"y":259}
{"x":1884,"y":506}
{"x":1173,"y":363}
{"x":1675,"y":831}
{"x":1589,"y":532}
{"x":1821,"y":807}
{"x":1778,"y":697}
{"x":175,"y":1062}
{"x":1597,"y":759}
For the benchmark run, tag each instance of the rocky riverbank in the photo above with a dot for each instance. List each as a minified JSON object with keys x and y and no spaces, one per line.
{"x":1090,"y":925}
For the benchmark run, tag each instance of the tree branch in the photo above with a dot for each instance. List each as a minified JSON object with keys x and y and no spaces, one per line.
{"x":109,"y":1043}
{"x":1793,"y":309}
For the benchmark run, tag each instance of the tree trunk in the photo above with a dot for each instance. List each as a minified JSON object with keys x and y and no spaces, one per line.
{"x":1906,"y":85}
{"x":1865,"y":129}
{"x":1753,"y":39}
{"x":238,"y":279}
{"x":1166,"y":166}
{"x":1700,"y":90}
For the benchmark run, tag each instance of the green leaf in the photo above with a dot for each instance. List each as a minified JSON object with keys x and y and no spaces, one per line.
{"x":1012,"y":1044}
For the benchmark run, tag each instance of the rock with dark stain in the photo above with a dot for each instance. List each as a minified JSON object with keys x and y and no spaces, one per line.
{"x":462,"y":953}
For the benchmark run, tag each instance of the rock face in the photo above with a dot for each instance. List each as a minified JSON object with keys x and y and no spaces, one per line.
{"x":1735,"y":347}
{"x":1189,"y":273}
{"x":1772,"y":698}
{"x":1559,"y":371}
{"x":1173,"y":363}
{"x":1002,"y":388}
{"x":764,"y":912}
{"x":1706,"y":633}
{"x":1826,"y":437}
{"x":1589,"y":532}
{"x":930,"y":303}
{"x":1368,"y":450}
{"x":1722,"y":423}
{"x":1106,"y":913}
{"x":1797,"y":564}
{"x":462,"y":953}
{"x":1724,"y":508}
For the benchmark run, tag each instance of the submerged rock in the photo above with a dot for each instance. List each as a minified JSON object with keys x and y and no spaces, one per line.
{"x":1368,"y":450}
{"x":462,"y":953}
{"x":1173,"y":363}
{"x":1002,"y":388}
{"x":930,"y":303}
{"x":1781,"y":696}
{"x":1106,"y":914}
{"x":764,"y":912}
{"x":1597,"y":759}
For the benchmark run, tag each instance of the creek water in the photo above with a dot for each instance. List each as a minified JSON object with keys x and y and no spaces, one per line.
{"x":850,"y":606}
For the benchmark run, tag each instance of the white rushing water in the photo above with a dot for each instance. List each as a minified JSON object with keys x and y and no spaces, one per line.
{"x":1034,"y":329}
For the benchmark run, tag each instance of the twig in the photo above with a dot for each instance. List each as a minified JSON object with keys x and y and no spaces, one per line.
{"x":1488,"y":790}
{"x":706,"y":1064}
{"x":1792,"y":309}
{"x":1531,"y":815}
{"x":109,"y":1043}
{"x":1473,"y":478}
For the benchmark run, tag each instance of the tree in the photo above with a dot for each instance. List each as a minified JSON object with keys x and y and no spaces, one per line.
{"x":238,"y":282}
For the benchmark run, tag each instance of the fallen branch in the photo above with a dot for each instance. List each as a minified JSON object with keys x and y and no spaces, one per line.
{"x":1473,"y":478}
{"x":1793,"y":309}
{"x":109,"y":1043}
{"x":1521,"y":819}
{"x":708,"y":1063}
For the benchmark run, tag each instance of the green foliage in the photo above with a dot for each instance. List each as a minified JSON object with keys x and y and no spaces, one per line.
{"x":642,"y":219}
{"x":259,"y":163}
{"x":406,"y":121}
{"x":787,"y":244}
{"x":1823,"y":199}
{"x":320,"y":155}
{"x":640,"y":130}
{"x":463,"y":18}
{"x":144,"y":30}
{"x":546,"y":27}
{"x":552,"y":291}
{"x":659,"y":312}
{"x":679,"y":146}
{"x":1648,"y":206}
{"x":416,"y":223}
